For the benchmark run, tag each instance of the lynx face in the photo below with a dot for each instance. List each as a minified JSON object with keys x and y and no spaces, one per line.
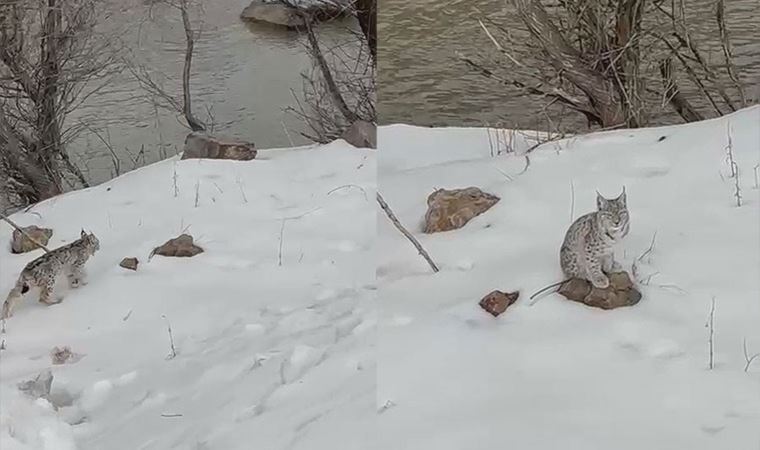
{"x":613,"y":215}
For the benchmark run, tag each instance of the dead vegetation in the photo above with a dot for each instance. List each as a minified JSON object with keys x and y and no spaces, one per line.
{"x":615,"y":63}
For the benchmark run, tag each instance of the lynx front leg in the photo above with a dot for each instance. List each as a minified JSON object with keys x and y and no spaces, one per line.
{"x":596,"y":275}
{"x":77,"y":276}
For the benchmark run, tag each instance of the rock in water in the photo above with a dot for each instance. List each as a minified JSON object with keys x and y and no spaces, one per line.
{"x":497,"y":302}
{"x":181,"y":246}
{"x":361,"y":134}
{"x":201,"y":145}
{"x":277,"y":13}
{"x":22,"y":244}
{"x":620,"y":292}
{"x":129,"y":263}
{"x":452,"y":209}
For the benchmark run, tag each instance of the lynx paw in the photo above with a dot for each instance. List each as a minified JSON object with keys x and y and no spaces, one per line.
{"x":600,"y":282}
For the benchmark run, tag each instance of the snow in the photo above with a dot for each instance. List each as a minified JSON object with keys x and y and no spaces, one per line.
{"x":274,"y":341}
{"x":559,"y":374}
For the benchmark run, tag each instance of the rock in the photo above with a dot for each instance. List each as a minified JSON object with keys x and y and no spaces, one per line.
{"x":620,"y":292}
{"x":452,"y":209}
{"x":129,"y":263}
{"x":63,"y":356}
{"x":277,"y":13}
{"x":22,"y":244}
{"x":361,"y":134}
{"x":39,"y":387}
{"x":181,"y":246}
{"x":497,"y":302}
{"x":201,"y":145}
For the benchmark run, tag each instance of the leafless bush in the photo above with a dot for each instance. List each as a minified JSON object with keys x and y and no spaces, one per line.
{"x":615,"y":62}
{"x":51,"y":61}
{"x":340,"y":87}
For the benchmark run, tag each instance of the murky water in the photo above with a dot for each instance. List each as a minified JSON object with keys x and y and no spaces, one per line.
{"x":422,"y":81}
{"x":243,"y":74}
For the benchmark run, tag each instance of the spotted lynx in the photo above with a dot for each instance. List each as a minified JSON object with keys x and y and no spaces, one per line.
{"x":587,"y":251}
{"x":43,"y":271}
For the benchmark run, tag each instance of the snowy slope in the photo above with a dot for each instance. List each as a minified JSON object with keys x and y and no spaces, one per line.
{"x":559,"y":374}
{"x":280,"y":354}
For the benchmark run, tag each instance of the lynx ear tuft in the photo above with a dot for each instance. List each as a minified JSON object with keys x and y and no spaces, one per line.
{"x":82,"y":233}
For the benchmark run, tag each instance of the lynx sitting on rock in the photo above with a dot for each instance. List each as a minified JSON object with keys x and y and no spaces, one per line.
{"x":43,"y":271}
{"x":587,"y":251}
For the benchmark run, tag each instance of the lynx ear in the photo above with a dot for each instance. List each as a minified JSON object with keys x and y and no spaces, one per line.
{"x":600,"y":201}
{"x":82,"y":233}
{"x":622,"y":196}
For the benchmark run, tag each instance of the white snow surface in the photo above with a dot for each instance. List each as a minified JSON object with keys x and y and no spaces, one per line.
{"x":271,"y":352}
{"x":560,"y":374}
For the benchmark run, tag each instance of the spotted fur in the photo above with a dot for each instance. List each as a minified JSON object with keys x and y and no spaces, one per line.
{"x":43,"y":271}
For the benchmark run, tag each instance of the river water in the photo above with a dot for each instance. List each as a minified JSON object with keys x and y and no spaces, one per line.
{"x":422,"y":81}
{"x":245,"y":74}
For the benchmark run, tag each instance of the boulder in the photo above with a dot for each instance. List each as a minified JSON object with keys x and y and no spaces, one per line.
{"x":620,"y":292}
{"x":497,"y":302}
{"x":277,"y":13}
{"x":20,"y":243}
{"x":201,"y":145}
{"x":182,"y":246}
{"x":452,"y":209}
{"x":129,"y":263}
{"x":361,"y":134}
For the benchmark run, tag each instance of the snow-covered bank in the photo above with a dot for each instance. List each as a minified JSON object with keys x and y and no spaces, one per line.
{"x":559,"y":374}
{"x":275,"y":340}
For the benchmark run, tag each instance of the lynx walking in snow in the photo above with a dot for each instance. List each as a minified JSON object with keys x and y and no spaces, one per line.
{"x":587,"y":250}
{"x":43,"y":271}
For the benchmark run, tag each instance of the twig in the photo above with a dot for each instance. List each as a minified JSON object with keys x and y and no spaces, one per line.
{"x":171,"y":415}
{"x":20,"y":230}
{"x":173,"y":353}
{"x":734,"y":167}
{"x":711,"y":342}
{"x":405,"y":232}
{"x":279,"y":253}
{"x":572,"y":201}
{"x":197,"y":191}
{"x":747,"y":356}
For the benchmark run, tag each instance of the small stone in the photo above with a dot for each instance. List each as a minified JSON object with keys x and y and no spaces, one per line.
{"x":129,"y":263}
{"x":452,"y":209}
{"x":497,"y":302}
{"x":63,"y":356}
{"x":621,"y":292}
{"x":20,"y":243}
{"x":181,"y":246}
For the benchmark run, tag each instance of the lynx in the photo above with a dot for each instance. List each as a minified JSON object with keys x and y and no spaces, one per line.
{"x":43,"y":271}
{"x":587,"y":251}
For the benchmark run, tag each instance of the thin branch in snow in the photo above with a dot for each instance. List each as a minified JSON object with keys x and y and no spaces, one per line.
{"x":733,"y":166}
{"x":171,"y":415}
{"x":197,"y":191}
{"x":174,"y":178}
{"x":757,"y":179}
{"x":572,"y":201}
{"x":747,"y":357}
{"x":282,"y":234}
{"x":173,"y":353}
{"x":239,"y":182}
{"x":349,"y":186}
{"x":405,"y":232}
{"x":711,"y":341}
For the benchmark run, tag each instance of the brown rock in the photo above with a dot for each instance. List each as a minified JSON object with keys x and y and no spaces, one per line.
{"x":620,"y":292}
{"x":200,"y":145}
{"x":129,"y":263}
{"x":497,"y":302}
{"x":181,"y":246}
{"x":361,"y":134}
{"x":452,"y":209}
{"x":22,"y":244}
